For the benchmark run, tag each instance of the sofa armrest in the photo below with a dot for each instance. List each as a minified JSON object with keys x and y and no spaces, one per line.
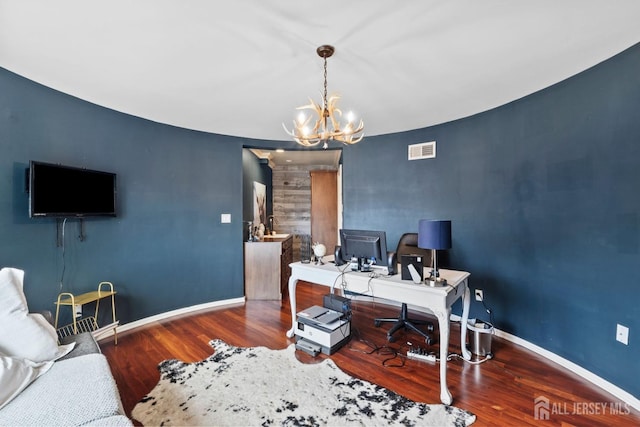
{"x":85,"y":344}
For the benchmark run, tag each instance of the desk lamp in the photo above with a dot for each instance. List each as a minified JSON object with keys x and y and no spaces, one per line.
{"x":434,"y":235}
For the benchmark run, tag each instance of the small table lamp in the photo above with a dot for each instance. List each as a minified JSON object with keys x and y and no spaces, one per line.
{"x":434,"y":235}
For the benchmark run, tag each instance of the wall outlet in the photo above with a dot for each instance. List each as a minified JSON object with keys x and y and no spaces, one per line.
{"x":479,"y":295}
{"x":622,"y":334}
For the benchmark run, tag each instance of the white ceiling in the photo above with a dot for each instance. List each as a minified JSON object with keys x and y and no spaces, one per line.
{"x":241,"y":67}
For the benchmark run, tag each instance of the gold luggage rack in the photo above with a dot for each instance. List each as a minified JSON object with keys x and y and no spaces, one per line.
{"x":87,"y":324}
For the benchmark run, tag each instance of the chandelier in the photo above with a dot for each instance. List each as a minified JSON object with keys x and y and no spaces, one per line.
{"x":309,"y":129}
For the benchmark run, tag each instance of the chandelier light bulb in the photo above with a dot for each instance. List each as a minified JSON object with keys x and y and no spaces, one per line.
{"x":351,"y":117}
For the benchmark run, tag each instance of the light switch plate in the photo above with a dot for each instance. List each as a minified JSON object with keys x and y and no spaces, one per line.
{"x":622,"y":334}
{"x":225,"y":218}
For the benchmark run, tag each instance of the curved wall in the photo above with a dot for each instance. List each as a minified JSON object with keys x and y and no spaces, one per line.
{"x":166,"y":249}
{"x":545,"y":209}
{"x":542,"y":193}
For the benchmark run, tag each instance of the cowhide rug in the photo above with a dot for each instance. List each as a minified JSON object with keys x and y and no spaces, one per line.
{"x":256,"y":386}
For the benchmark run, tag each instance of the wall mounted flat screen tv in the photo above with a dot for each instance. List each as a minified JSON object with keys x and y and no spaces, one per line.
{"x":65,"y":191}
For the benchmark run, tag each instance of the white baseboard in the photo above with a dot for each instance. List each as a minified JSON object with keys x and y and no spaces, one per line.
{"x":577,"y":369}
{"x":624,"y":396}
{"x":166,"y":315}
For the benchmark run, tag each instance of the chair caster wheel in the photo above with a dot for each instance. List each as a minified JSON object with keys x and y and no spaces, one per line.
{"x":377,"y":323}
{"x":391,"y":338}
{"x":428,"y":341}
{"x":430,"y":327}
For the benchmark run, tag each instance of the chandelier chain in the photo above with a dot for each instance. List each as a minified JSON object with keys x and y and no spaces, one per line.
{"x":324,"y":106}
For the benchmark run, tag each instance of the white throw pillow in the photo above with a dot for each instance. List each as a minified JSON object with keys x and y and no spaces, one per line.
{"x":24,"y":335}
{"x":16,"y":375}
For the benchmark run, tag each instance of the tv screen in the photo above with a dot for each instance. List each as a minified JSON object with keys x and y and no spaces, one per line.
{"x":65,"y":191}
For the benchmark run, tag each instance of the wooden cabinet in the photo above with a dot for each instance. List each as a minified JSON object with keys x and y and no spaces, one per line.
{"x":266,"y":268}
{"x":324,"y":208}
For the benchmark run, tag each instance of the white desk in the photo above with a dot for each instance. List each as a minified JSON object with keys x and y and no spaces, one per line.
{"x":437,"y":300}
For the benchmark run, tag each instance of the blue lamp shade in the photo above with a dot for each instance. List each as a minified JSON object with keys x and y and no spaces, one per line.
{"x":434,"y":234}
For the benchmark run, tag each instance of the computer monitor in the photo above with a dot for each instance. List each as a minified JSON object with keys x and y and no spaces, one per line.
{"x":363,"y":248}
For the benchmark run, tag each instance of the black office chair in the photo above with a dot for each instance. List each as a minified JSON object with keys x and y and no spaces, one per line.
{"x":408,"y":245}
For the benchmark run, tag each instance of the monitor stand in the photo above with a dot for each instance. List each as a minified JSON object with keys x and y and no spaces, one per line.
{"x":361,"y":264}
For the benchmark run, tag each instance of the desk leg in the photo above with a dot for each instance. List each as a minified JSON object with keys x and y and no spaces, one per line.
{"x":293,"y":282}
{"x":443,"y":325}
{"x":466,"y":300}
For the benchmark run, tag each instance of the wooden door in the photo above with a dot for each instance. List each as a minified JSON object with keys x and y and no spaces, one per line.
{"x":324,"y":208}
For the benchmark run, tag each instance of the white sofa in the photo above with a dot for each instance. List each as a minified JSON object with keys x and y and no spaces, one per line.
{"x":44,"y":383}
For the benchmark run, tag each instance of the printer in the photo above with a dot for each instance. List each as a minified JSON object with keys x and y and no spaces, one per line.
{"x":321,"y":329}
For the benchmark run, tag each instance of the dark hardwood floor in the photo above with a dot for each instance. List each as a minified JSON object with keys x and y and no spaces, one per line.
{"x":500,"y":392}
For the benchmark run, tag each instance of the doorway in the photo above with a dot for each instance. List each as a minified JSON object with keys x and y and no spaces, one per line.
{"x":291,"y":189}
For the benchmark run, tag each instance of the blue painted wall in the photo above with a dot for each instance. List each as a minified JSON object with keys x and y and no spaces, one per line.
{"x":542,"y":195}
{"x":544,"y":201}
{"x":166,"y":249}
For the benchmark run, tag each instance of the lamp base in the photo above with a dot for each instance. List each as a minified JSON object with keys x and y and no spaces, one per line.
{"x":435,"y":281}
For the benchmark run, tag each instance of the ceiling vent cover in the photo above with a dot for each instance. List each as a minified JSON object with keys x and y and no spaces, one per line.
{"x":424,"y":150}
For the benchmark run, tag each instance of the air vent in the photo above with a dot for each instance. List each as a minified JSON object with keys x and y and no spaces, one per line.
{"x":424,"y":150}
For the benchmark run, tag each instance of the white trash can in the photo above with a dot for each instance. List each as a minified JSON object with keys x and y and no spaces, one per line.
{"x":480,"y":337}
